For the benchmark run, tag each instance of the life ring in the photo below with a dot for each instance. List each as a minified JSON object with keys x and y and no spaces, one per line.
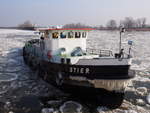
{"x":49,"y":55}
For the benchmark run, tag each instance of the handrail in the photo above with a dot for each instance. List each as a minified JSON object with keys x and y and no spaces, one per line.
{"x":99,"y":52}
{"x":34,"y":41}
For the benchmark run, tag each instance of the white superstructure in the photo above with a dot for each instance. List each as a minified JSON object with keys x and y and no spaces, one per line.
{"x":65,"y":38}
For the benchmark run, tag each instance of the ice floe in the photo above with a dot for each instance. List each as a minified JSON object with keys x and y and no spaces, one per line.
{"x":102,"y":109}
{"x":148,"y":99}
{"x":47,"y":110}
{"x":140,"y":102}
{"x":71,"y":107}
{"x":141,"y":91}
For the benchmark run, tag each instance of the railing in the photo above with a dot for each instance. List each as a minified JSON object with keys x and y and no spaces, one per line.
{"x":34,"y":41}
{"x":101,"y":53}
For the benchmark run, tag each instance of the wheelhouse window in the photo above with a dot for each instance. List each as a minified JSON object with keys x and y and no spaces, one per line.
{"x":84,"y":34}
{"x":70,"y":34}
{"x":46,"y":34}
{"x":77,"y":34}
{"x":63,"y":35}
{"x":55,"y":35}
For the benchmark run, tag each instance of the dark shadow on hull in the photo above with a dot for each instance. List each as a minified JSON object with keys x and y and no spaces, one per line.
{"x":93,"y":97}
{"x":87,"y":95}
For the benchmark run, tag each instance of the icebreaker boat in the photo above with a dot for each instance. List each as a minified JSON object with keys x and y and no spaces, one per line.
{"x":62,"y":57}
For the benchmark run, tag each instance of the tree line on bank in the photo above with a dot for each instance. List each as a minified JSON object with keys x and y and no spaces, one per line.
{"x":27,"y":25}
{"x":128,"y":23}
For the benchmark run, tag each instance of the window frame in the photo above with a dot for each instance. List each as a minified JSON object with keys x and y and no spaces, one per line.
{"x":84,"y":34}
{"x":69,"y":34}
{"x":56,"y":33}
{"x":77,"y":34}
{"x":61,"y":34}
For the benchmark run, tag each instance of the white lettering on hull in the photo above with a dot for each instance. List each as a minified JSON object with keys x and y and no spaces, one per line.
{"x":79,"y":70}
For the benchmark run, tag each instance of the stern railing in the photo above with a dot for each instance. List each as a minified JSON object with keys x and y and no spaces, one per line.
{"x":100,"y":52}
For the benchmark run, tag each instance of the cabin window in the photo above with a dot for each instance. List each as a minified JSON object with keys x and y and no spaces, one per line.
{"x":55,"y":35}
{"x":77,"y":34}
{"x":49,"y":36}
{"x":46,"y":32}
{"x":84,"y":34}
{"x":63,"y":35}
{"x":70,"y":34}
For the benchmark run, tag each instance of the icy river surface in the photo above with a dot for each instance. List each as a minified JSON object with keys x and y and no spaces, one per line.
{"x":22,"y":92}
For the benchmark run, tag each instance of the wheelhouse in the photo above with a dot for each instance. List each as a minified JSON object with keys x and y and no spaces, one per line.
{"x":64,"y":39}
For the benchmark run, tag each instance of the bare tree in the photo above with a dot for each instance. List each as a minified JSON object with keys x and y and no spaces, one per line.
{"x":111,"y":24}
{"x":26,"y":25}
{"x":77,"y":25}
{"x":143,"y":21}
{"x":129,"y":22}
{"x":139,"y":23}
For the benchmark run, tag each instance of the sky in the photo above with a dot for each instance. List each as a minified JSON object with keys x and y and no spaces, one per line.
{"x":60,"y":12}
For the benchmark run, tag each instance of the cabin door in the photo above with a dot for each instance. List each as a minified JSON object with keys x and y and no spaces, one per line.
{"x":48,"y":44}
{"x":55,"y":44}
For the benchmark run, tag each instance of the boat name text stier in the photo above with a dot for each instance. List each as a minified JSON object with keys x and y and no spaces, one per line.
{"x":79,"y":70}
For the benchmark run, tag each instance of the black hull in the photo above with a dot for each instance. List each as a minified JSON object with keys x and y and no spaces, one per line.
{"x":95,"y":72}
{"x":106,"y":72}
{"x":94,"y":96}
{"x":50,"y":72}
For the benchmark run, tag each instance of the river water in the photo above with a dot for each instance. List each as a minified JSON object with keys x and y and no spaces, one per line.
{"x":18,"y":81}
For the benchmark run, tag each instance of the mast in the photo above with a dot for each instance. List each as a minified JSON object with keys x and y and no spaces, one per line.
{"x":120,"y":42}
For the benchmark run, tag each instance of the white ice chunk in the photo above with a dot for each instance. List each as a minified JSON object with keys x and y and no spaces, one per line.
{"x":148,"y":99}
{"x":102,"y":109}
{"x":141,"y":91}
{"x":71,"y":105}
{"x":47,"y":110}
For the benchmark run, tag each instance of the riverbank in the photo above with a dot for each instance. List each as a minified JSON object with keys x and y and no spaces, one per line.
{"x":101,"y":29}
